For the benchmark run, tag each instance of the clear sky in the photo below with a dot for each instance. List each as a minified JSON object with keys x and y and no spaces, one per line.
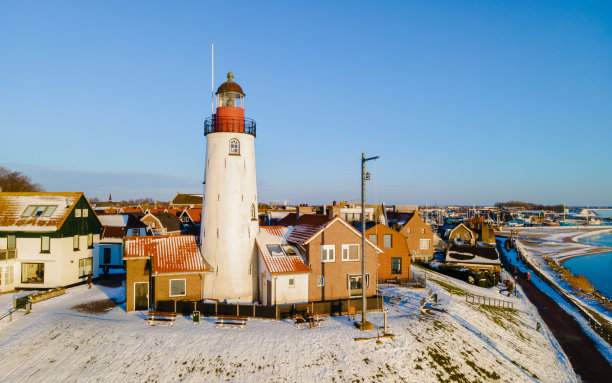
{"x":464,"y":101}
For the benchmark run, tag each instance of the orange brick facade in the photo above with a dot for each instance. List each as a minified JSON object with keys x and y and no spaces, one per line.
{"x":137,"y":270}
{"x":336,"y":273}
{"x":414,"y":231}
{"x":398,"y":249}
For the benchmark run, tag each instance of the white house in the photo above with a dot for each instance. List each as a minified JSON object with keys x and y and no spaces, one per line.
{"x":283,"y":269}
{"x":47,"y":240}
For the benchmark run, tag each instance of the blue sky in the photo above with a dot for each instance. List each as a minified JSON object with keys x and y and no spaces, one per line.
{"x":464,"y":102}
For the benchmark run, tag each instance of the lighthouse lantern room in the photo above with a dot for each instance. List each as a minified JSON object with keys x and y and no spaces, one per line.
{"x":229,"y":220}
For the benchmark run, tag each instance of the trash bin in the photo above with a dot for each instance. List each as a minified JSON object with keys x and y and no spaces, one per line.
{"x":196,"y":316}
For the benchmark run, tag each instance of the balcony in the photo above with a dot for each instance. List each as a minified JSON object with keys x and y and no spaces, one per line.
{"x":6,"y":254}
{"x":229,"y":124}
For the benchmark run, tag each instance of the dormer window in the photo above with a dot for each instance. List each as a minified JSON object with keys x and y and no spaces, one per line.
{"x":234,"y":146}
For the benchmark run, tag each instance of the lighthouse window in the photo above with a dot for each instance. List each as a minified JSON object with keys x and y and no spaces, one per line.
{"x":234,"y":146}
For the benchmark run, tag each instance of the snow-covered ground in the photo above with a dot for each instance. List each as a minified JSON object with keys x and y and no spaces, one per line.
{"x":467,"y":343}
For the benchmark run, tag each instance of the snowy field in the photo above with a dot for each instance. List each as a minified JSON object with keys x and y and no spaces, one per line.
{"x":469,"y":343}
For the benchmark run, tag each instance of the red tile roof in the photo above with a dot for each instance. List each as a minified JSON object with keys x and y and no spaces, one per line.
{"x":307,"y":226}
{"x":279,"y":262}
{"x":171,"y":254}
{"x":195,"y":214}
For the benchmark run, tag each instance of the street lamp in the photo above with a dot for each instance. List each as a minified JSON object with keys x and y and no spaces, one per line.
{"x":364,"y":176}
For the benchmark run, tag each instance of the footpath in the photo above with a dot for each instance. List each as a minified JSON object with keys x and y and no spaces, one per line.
{"x":581,"y":350}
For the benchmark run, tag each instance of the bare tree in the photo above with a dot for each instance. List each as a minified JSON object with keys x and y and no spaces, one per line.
{"x":11,"y":181}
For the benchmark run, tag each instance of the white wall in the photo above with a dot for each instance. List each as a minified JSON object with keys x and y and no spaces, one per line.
{"x":228,"y":232}
{"x":61,"y":264}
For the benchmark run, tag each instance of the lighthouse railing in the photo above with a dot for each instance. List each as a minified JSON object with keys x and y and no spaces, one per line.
{"x":229,"y":124}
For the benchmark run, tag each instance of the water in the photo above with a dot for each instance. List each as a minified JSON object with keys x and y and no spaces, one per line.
{"x":597,"y":268}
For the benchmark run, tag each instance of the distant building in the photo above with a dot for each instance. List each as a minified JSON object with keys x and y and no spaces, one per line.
{"x":162,"y":223}
{"x":188,"y":201}
{"x":418,"y":234}
{"x":394,"y":261}
{"x":47,"y":240}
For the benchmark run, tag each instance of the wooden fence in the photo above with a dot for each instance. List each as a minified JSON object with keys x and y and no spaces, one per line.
{"x":488,"y":301}
{"x":336,"y":307}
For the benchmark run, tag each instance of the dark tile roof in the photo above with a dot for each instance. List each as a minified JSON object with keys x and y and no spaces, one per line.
{"x":113,"y":232}
{"x":187,"y":199}
{"x":169,"y":221}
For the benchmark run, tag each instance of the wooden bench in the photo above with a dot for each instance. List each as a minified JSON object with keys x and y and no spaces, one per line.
{"x":425,"y":306}
{"x":161,"y":316}
{"x":231,"y":320}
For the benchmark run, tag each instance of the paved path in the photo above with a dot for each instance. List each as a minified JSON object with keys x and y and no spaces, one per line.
{"x":586,"y":360}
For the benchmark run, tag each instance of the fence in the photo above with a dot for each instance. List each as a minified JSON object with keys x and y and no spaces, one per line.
{"x":487,"y":301}
{"x":336,"y":307}
{"x":593,"y":323}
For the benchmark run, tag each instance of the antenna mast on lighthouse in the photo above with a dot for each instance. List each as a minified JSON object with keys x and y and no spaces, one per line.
{"x":212,"y":77}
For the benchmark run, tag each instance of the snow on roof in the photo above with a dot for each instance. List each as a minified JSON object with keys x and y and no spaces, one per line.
{"x":307,"y":226}
{"x":13,"y":206}
{"x":113,"y":234}
{"x":278,"y":255}
{"x":485,"y":255}
{"x":113,"y":219}
{"x":171,"y":254}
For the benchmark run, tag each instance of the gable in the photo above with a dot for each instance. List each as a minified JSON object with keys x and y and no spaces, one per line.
{"x":340,"y":225}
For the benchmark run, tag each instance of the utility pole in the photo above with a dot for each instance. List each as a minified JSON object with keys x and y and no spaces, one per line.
{"x":364,"y":176}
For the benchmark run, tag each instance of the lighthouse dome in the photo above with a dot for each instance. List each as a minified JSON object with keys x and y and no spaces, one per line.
{"x":230,"y":85}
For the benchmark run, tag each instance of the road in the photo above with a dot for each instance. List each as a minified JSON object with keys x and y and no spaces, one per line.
{"x":581,"y":350}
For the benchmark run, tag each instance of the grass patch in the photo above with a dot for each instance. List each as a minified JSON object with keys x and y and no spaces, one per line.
{"x":483,"y":372}
{"x":445,"y":363}
{"x":450,"y":288}
{"x":525,"y":369}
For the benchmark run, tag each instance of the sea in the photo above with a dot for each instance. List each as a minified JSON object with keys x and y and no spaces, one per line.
{"x":597,"y":268}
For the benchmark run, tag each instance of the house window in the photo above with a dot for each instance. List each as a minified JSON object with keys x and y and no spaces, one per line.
{"x":253,"y":212}
{"x":45,"y":244}
{"x":234,"y":146}
{"x":85,"y":213}
{"x":85,"y":266}
{"x":89,"y":240}
{"x":424,"y":244}
{"x":178,"y":287}
{"x":11,"y":242}
{"x":75,"y":242}
{"x":77,"y":213}
{"x":373,"y":238}
{"x":350,"y":252}
{"x":8,"y":275}
{"x":49,"y":210}
{"x":152,"y":225}
{"x":321,"y":281}
{"x":328,"y":253}
{"x":408,"y":231}
{"x":355,"y":285}
{"x":292,"y":282}
{"x":135,"y":232}
{"x":396,"y":265}
{"x":422,"y":231}
{"x":32,"y":273}
{"x":387,"y":241}
{"x":107,"y":255}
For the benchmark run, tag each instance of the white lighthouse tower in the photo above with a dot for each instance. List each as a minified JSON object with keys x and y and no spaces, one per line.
{"x":230,"y":221}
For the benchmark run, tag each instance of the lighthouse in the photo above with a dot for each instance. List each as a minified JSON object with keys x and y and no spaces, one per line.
{"x":230,"y":221}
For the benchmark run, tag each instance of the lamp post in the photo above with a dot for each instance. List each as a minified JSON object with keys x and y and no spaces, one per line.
{"x":364,"y":324}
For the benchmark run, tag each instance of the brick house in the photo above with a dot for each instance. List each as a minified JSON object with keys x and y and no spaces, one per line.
{"x":394,"y":261}
{"x":484,"y":232}
{"x":419,"y":237}
{"x":332,"y":249}
{"x":461,"y":235}
{"x":162,"y":268}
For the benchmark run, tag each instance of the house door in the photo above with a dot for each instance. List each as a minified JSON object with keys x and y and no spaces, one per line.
{"x":141,"y":296}
{"x":269,"y":300}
